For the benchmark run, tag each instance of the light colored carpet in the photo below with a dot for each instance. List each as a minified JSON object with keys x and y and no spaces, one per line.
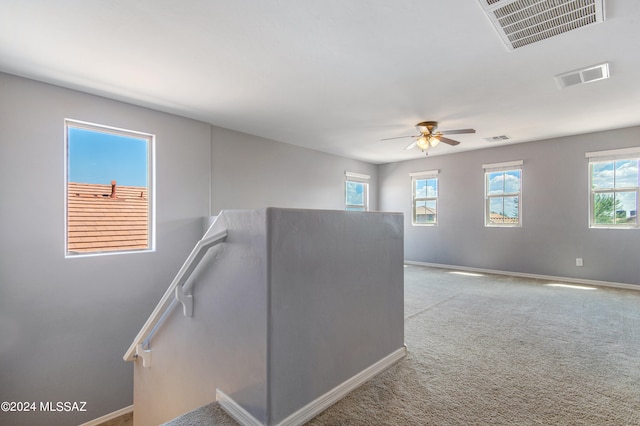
{"x":498,"y":350}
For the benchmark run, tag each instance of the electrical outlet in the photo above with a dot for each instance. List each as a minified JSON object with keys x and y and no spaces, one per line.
{"x":578,"y":261}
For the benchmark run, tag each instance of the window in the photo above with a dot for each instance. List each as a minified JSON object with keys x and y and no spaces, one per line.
{"x":109,"y":189}
{"x":356,"y":192}
{"x":614,"y":187}
{"x":503,"y":194}
{"x":424,"y":193}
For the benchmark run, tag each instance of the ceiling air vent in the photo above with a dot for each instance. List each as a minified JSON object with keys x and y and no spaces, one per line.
{"x":585,"y":75}
{"x":522,"y":22}
{"x":497,"y":138}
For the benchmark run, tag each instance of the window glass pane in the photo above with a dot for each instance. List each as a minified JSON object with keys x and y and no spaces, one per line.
{"x":603,"y":208}
{"x":355,"y":209}
{"x":496,"y":210}
{"x":625,"y":205}
{"x":511,"y":209}
{"x":99,"y":157}
{"x":355,"y":193}
{"x":426,"y":211}
{"x":426,"y":188}
{"x":495,"y":183}
{"x":602,"y":175}
{"x":420,"y":188}
{"x":512,"y":181}
{"x":503,"y":191}
{"x":432,"y":188}
{"x":108,"y":191}
{"x":626,"y":174}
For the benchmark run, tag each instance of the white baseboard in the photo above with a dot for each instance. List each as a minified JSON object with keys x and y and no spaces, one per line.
{"x":318,"y":405}
{"x":233,"y":409}
{"x":110,"y":416}
{"x":525,"y":275}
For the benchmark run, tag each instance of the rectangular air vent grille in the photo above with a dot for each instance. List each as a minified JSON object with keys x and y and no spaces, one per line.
{"x":522,"y":22}
{"x":498,"y":138}
{"x":585,"y":75}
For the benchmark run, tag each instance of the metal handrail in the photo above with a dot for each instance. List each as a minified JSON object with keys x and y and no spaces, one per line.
{"x":170,"y":297}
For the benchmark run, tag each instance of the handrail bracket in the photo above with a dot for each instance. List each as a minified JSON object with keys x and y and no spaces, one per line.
{"x":186,"y":300}
{"x":145,"y":354}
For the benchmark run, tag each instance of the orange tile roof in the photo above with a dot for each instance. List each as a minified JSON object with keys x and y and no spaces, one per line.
{"x":498,"y":218}
{"x":96,"y":222}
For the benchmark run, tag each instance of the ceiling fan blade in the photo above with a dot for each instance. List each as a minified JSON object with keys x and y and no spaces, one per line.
{"x":399,"y":137}
{"x":448,"y":141}
{"x":411,"y":145}
{"x":457,"y":132}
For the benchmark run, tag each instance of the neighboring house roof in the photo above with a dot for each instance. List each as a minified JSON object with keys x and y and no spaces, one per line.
{"x":425,"y":210}
{"x":498,"y":218}
{"x":98,"y":222}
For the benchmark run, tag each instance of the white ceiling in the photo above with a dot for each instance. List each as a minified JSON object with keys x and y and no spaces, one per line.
{"x":331,"y":75}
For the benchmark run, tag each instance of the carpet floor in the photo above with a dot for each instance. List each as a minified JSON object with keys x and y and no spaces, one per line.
{"x":498,"y":350}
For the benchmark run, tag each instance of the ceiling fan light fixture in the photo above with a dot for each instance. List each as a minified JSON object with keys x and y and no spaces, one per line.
{"x":433,"y":141}
{"x":423,"y":142}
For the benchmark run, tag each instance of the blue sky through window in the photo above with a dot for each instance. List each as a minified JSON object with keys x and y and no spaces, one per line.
{"x":426,"y":188}
{"x":355,"y":193}
{"x":100,"y":157}
{"x":618,"y":174}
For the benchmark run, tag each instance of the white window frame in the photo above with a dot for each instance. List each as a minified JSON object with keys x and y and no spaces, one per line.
{"x":151,"y":138}
{"x":424,"y":175}
{"x":359,"y":178}
{"x":502,"y":167}
{"x":595,"y":157}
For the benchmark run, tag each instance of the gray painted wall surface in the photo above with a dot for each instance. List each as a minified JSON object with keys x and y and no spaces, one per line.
{"x":250,"y":172}
{"x":337,"y":300}
{"x":65,"y":323}
{"x":293,"y":304}
{"x":555,"y":196}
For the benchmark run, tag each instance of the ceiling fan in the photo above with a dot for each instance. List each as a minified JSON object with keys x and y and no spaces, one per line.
{"x":429,"y":137}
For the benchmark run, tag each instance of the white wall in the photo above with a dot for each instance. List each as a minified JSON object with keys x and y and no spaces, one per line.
{"x":555,"y":197}
{"x":66,"y":323}
{"x":250,"y":172}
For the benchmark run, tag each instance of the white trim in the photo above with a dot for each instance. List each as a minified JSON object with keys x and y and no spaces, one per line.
{"x":526,"y":275}
{"x":110,"y":416}
{"x":150,"y":138}
{"x":356,"y":175}
{"x":233,"y":409}
{"x":505,"y":165}
{"x":320,"y":404}
{"x":614,"y":153}
{"x":361,"y":179}
{"x":426,"y":173}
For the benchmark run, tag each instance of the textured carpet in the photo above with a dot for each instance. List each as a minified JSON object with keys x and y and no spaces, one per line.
{"x":498,"y":350}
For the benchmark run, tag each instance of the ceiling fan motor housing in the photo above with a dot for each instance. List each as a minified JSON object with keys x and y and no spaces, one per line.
{"x":427,"y":127}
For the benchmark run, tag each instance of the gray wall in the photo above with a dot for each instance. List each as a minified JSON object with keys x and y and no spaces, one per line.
{"x":250,"y":172}
{"x":554,"y":212}
{"x":291,"y":305}
{"x":66,"y":323}
{"x":336,"y":300}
